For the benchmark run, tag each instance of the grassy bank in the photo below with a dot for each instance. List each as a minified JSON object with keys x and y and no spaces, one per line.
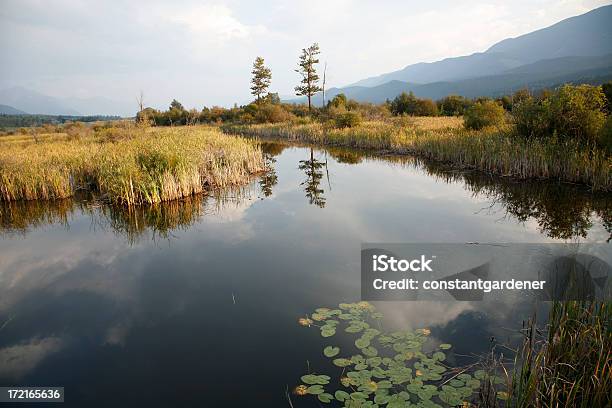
{"x":127,"y":166}
{"x":443,"y":139}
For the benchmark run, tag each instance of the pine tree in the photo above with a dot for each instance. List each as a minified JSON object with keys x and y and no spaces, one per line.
{"x":262,"y":76}
{"x":309,"y":84}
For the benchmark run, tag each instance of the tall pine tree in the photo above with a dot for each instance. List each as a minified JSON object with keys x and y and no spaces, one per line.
{"x":306,"y":68}
{"x":262,"y":76}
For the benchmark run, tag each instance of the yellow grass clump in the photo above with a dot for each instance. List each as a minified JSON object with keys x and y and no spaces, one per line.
{"x":127,"y":166}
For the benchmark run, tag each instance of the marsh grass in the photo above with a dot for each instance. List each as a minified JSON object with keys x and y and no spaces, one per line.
{"x":129,"y":166}
{"x":571,"y":364}
{"x":493,"y":150}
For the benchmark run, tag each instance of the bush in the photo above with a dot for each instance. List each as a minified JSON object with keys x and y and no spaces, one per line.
{"x":271,"y":113}
{"x":453,"y":105}
{"x":411,"y":105}
{"x":348,"y":119}
{"x":483,"y":114}
{"x":531,"y":117}
{"x":577,"y":111}
{"x":605,"y":136}
{"x":570,"y":112}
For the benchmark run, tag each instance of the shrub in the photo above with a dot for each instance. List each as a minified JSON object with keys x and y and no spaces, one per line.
{"x":607,"y":90}
{"x":577,"y":111}
{"x":348,"y":119}
{"x":411,"y":105}
{"x":453,"y":105}
{"x":272,"y":113}
{"x":531,"y":117}
{"x":483,"y":114}
{"x":605,"y":136}
{"x":76,"y":130}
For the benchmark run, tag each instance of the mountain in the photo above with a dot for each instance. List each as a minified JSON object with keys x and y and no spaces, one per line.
{"x":588,"y":34}
{"x":34,"y":102}
{"x":9,"y":110}
{"x":542,"y":74}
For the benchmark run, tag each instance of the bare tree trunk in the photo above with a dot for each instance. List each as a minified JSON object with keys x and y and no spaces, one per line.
{"x":324,"y":71}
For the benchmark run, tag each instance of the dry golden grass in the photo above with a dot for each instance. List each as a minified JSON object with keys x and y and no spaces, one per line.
{"x":128,"y":166}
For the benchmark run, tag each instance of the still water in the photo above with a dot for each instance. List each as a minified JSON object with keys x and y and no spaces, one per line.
{"x":196,"y":303}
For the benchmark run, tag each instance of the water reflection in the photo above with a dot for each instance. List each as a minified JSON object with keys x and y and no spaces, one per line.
{"x":561,"y":211}
{"x":216,"y":308}
{"x":314,"y":174}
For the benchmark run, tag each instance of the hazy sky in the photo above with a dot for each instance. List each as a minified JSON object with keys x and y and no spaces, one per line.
{"x":201,"y":52}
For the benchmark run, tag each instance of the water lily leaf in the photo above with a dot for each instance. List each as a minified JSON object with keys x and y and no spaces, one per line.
{"x":480,"y":374}
{"x":342,"y":362}
{"x":331,"y":351}
{"x":328,"y":331}
{"x":315,"y":389}
{"x":456,"y":383}
{"x":381,"y":399}
{"x":370,"y":351}
{"x":361,"y":366}
{"x":358,"y":396}
{"x":362,"y":342}
{"x":464,"y":377}
{"x":438,"y":355}
{"x":353,"y":329}
{"x":309,"y":379}
{"x":325,"y":397}
{"x":341,"y":395}
{"x":444,"y":346}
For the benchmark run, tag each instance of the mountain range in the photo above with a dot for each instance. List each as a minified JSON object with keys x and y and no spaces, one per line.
{"x":27,"y":101}
{"x":577,"y":49}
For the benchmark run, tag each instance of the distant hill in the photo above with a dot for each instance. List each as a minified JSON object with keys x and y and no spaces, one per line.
{"x":33,"y":102}
{"x":541,"y":74}
{"x":9,"y":110}
{"x":589,"y":34}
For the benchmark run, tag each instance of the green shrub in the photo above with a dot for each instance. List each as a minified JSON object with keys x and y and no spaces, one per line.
{"x":411,"y":105}
{"x":348,"y":119}
{"x":605,"y":136}
{"x":577,"y":111}
{"x":484,"y":114}
{"x":453,"y":105}
{"x":532,"y":116}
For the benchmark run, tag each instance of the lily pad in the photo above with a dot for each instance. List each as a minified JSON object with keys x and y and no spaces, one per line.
{"x":331,"y":351}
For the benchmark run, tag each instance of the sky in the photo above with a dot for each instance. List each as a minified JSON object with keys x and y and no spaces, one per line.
{"x":201,"y":52}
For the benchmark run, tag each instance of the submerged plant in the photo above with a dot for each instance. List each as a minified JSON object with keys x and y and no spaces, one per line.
{"x":386,"y":369}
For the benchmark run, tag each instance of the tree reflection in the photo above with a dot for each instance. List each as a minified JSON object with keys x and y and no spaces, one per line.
{"x":314,"y":174}
{"x":269,"y":178}
{"x":561,"y":211}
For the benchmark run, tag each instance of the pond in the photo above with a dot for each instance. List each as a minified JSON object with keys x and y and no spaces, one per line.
{"x":196,"y":302}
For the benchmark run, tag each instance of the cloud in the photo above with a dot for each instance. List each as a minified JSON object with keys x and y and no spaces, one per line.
{"x":201,"y":52}
{"x":16,"y":361}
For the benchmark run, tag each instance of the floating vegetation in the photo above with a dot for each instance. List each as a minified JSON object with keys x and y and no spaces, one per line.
{"x":386,"y":369}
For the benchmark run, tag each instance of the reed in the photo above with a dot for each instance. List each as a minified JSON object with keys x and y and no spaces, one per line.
{"x":136,"y":166}
{"x":496,"y":151}
{"x":571,"y":365}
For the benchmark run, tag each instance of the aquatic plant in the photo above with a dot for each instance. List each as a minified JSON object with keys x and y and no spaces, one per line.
{"x":385,"y":369}
{"x":569,"y":364}
{"x":143,"y":166}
